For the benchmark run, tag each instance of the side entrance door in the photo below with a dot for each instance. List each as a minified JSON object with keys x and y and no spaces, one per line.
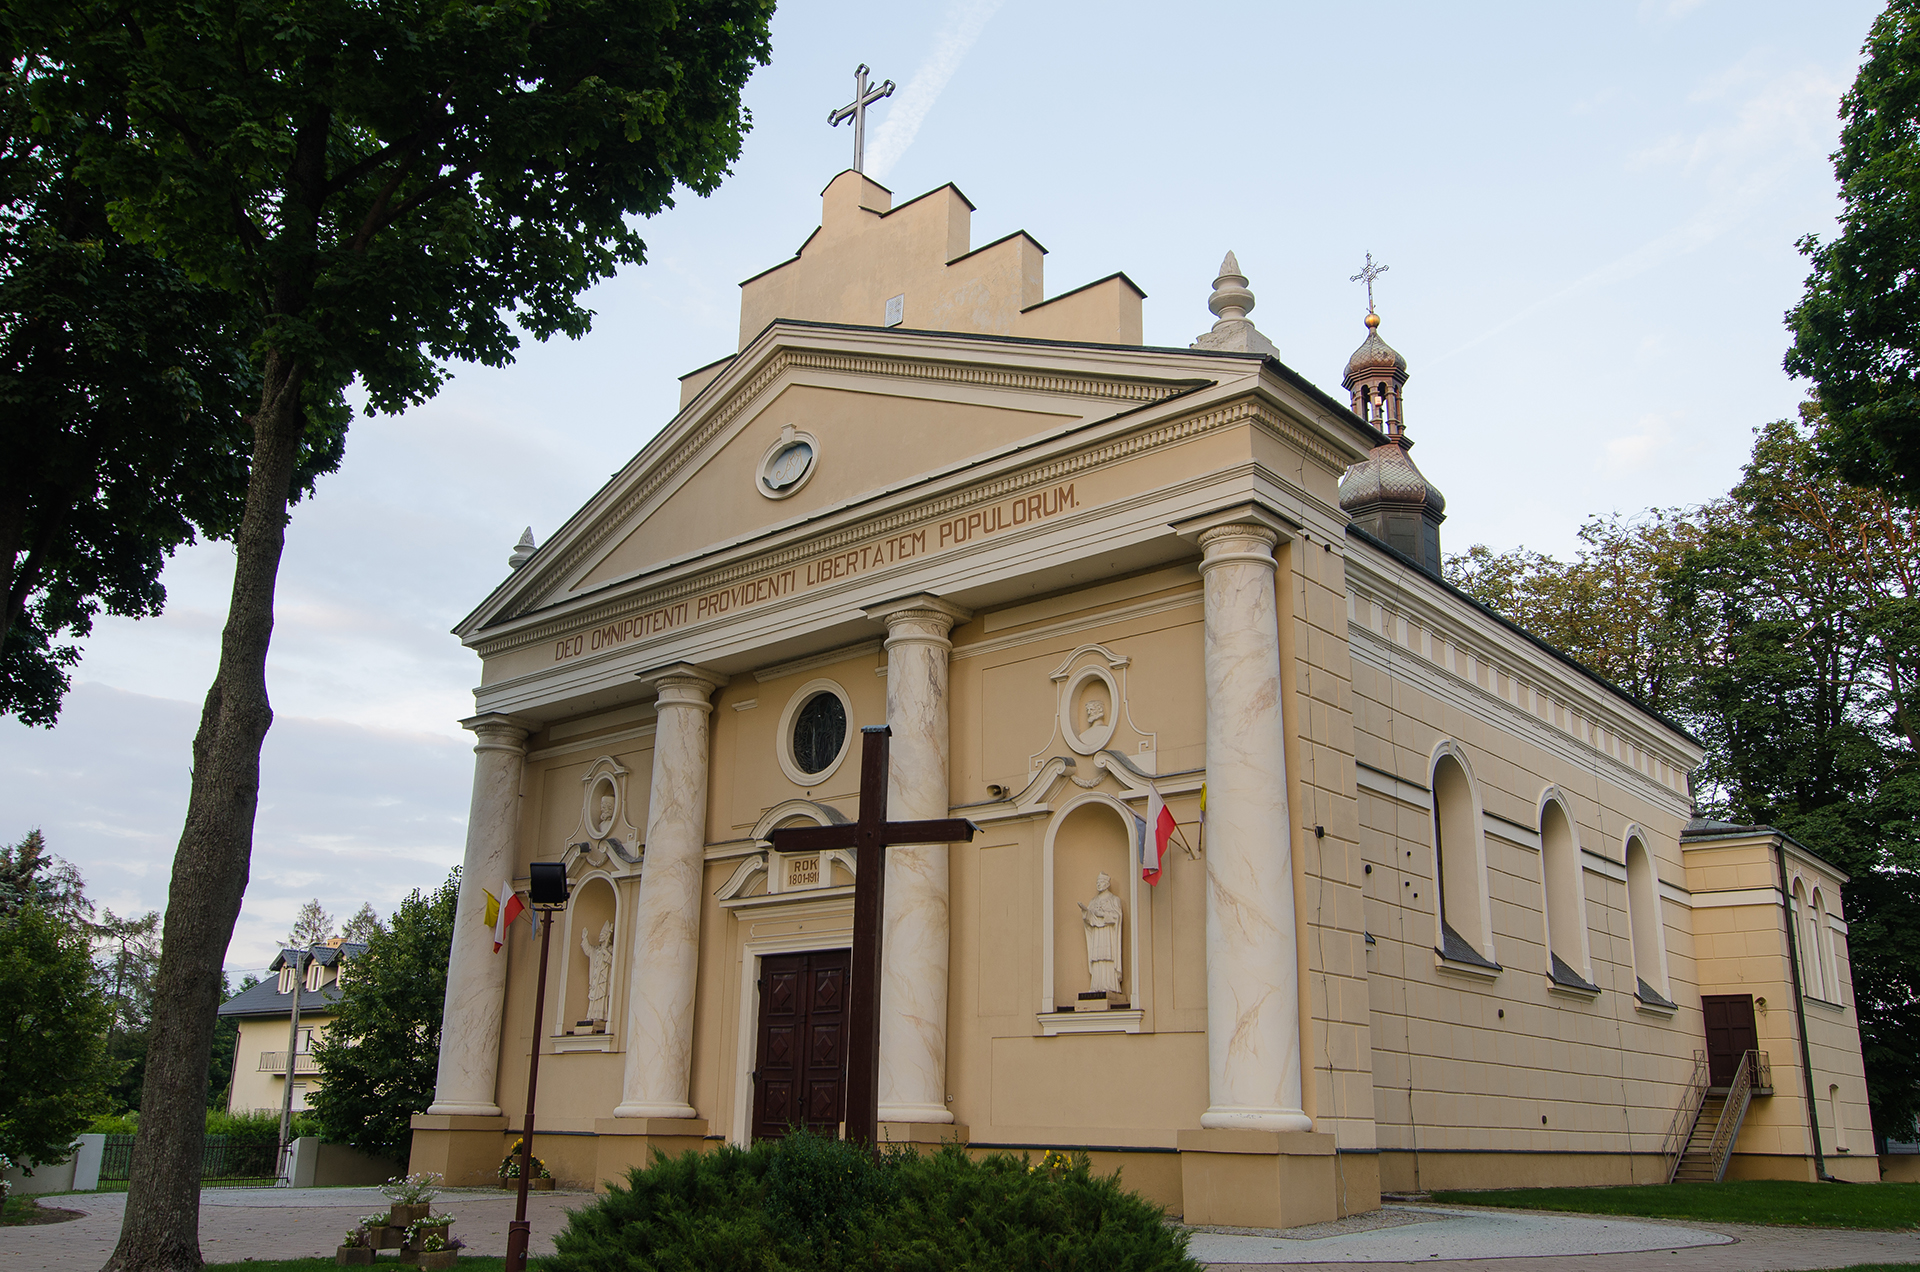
{"x":800,"y":1062}
{"x":1730,"y":1032}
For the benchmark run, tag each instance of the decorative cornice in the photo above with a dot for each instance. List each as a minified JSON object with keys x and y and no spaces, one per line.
{"x":640,"y":601}
{"x":614,"y":520}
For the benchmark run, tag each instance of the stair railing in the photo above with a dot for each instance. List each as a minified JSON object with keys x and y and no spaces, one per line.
{"x":1732,"y":1114}
{"x":1680,"y":1130}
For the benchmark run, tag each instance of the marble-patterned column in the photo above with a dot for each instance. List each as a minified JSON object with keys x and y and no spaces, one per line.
{"x":913,"y":980}
{"x":1253,"y":990}
{"x":476,"y":976}
{"x":666,"y":932}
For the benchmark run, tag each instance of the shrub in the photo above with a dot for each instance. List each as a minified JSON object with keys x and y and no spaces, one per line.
{"x":115,"y":1124}
{"x":809,"y":1203}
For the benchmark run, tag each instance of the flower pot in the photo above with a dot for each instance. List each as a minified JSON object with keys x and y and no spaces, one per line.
{"x":439,"y":1259}
{"x":541,"y":1185}
{"x":509,"y":1183}
{"x":400,"y":1216}
{"x":352,"y":1256}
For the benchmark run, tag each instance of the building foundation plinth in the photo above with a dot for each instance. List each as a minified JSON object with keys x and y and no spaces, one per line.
{"x":465,"y":1151}
{"x":624,"y":1143}
{"x":1260,"y":1179}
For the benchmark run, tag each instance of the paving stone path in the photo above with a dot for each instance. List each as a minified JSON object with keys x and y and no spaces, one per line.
{"x":238,"y":1224}
{"x":274,"y":1223}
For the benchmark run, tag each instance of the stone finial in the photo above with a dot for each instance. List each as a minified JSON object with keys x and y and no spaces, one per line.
{"x":523,"y":550}
{"x":1231,"y":302}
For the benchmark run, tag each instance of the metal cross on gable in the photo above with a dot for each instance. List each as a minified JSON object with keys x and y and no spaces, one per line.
{"x":870,"y":836}
{"x":1367,"y":274}
{"x":856,"y":110}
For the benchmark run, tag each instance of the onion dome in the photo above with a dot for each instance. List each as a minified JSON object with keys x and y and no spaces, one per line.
{"x":1386,"y":494}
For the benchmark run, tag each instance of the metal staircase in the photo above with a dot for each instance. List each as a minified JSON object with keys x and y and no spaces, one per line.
{"x":1718,"y":1115}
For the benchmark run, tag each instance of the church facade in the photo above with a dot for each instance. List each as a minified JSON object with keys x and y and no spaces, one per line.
{"x":1432,"y":912}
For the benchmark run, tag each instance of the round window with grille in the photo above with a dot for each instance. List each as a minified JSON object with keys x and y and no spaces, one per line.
{"x":819,"y":733}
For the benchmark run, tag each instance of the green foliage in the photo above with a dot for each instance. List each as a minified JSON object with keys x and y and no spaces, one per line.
{"x":311,"y":926}
{"x":1770,"y":1201}
{"x":114,"y":1124}
{"x":122,"y":387}
{"x":226,"y":1037}
{"x":808,"y":1203}
{"x":30,"y":876}
{"x":378,"y":1059}
{"x":54,"y":1068}
{"x":1609,"y":607}
{"x":126,"y":958}
{"x":1856,"y":330}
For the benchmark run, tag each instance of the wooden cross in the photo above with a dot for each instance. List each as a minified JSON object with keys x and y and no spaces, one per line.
{"x":870,"y":837}
{"x":856,"y":110}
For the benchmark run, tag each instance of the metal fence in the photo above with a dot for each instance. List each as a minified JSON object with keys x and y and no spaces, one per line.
{"x":225,"y":1162}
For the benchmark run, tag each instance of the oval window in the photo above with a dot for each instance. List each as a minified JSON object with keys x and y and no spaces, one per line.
{"x":819,"y":731}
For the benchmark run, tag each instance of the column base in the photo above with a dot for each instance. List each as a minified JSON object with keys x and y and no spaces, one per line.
{"x":463,"y":1150}
{"x":641,"y":1108}
{"x":1279,"y":1121}
{"x":1258,"y":1179}
{"x":455,"y":1108}
{"x":624,"y":1144}
{"x":933,"y":1113}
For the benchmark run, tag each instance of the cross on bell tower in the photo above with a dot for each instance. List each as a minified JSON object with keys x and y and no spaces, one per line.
{"x":856,"y":110}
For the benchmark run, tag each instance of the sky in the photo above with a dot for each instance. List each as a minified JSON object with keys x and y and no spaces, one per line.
{"x":1588,"y":214}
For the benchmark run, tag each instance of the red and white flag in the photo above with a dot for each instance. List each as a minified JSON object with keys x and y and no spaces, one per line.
{"x":510,"y":910}
{"x":1154,"y":836}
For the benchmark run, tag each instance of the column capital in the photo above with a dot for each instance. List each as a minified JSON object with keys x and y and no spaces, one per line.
{"x":923,"y":616}
{"x":497,"y":732}
{"x":1237,"y":542}
{"x":684,"y":685}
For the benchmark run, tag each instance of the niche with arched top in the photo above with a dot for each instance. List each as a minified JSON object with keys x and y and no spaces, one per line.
{"x":592,"y":911}
{"x":1569,"y":963}
{"x":1643,"y":922}
{"x":1093,"y":838}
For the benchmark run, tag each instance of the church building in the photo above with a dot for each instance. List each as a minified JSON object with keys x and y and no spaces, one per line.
{"x":1433,"y":909}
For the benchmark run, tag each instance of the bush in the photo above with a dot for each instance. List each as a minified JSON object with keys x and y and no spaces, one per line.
{"x":115,"y":1124}
{"x":818,"y":1205}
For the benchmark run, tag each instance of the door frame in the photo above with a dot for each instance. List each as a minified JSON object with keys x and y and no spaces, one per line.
{"x":747,"y":1039}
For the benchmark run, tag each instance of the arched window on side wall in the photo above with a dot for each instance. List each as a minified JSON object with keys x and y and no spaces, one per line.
{"x":1829,"y":960}
{"x":1569,"y":962}
{"x":1643,"y":922}
{"x":1460,"y":864}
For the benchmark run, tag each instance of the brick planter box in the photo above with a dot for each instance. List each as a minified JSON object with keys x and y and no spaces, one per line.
{"x":354,"y":1256}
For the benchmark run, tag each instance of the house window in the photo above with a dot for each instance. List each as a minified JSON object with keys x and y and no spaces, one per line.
{"x":1460,"y":864}
{"x":286,"y":978}
{"x":316,"y":976}
{"x":1643,"y":922}
{"x":1569,"y":964}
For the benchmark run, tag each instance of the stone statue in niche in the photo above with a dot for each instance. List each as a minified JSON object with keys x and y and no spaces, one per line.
{"x":599,"y":971}
{"x":1102,"y":919}
{"x":1096,"y":713}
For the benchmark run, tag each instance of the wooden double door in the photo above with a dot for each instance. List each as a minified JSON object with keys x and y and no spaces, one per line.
{"x":800,"y":1057}
{"x":1730,"y":1034}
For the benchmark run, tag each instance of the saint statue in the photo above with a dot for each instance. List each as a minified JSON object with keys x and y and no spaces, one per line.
{"x":605,"y":827}
{"x":1102,"y":917}
{"x":1096,"y":713}
{"x":599,"y":970}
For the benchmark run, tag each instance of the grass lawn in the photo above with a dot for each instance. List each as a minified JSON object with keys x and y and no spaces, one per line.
{"x":1894,"y":1206}
{"x":25,"y":1210}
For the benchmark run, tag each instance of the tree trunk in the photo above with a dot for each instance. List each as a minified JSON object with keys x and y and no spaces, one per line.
{"x":161,"y":1230}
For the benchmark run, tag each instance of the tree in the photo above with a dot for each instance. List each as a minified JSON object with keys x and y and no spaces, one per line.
{"x":312,"y":926}
{"x":122,"y":389}
{"x":29,"y":876}
{"x":1611,"y":607}
{"x":379,"y":1056}
{"x":1856,"y":330}
{"x":360,"y":929}
{"x":388,"y":185}
{"x":54,"y":1069}
{"x":1804,"y":694}
{"x":126,"y":956}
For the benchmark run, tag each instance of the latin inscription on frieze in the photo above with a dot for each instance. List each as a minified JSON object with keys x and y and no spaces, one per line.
{"x":827,"y":568}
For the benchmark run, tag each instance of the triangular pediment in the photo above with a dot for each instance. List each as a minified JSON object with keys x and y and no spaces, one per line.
{"x":874,"y":411}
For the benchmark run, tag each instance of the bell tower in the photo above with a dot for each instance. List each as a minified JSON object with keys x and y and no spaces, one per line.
{"x":1385,"y":494}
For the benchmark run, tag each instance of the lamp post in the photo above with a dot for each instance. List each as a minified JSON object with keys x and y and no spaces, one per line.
{"x":301,"y":958}
{"x":549,"y":894}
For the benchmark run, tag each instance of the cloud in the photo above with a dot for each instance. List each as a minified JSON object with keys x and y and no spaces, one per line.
{"x":348,"y":813}
{"x":966,"y":19}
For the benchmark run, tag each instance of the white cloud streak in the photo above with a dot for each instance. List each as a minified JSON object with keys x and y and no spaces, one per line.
{"x":966,"y":19}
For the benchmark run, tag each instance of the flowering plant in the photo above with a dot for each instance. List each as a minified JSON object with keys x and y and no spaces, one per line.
{"x":6,"y":1164}
{"x":370,"y":1222}
{"x":1053,"y":1161}
{"x":355,"y":1237}
{"x":412,"y":1190}
{"x":429,"y":1233}
{"x":510,"y":1164}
